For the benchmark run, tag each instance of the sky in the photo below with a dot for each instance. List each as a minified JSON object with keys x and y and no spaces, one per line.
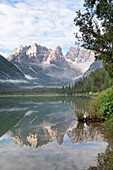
{"x":45,"y":22}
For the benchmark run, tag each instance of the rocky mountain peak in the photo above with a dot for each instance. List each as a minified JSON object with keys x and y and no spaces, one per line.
{"x":77,"y":55}
{"x":73,"y":53}
{"x":20,"y":49}
{"x":58,"y":51}
{"x":85,"y":55}
{"x":55,"y":56}
{"x":35,"y":45}
{"x":32,"y":51}
{"x":74,"y":49}
{"x":41,"y":63}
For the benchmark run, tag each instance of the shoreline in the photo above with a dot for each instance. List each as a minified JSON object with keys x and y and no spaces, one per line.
{"x":28,"y":95}
{"x":45,"y":95}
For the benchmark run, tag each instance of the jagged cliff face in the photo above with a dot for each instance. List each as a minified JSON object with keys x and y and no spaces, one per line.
{"x":75,"y":55}
{"x":34,"y":53}
{"x":80,"y":58}
{"x":38,"y":55}
{"x":44,"y":66}
{"x":43,"y":55}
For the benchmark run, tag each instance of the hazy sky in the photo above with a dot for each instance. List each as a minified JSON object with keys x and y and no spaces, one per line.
{"x":46,"y":22}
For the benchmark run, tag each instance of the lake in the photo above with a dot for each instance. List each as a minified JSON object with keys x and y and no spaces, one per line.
{"x":42,"y":133}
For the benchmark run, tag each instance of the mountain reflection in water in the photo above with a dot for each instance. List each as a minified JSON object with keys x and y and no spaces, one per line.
{"x":37,"y":136}
{"x":50,"y":124}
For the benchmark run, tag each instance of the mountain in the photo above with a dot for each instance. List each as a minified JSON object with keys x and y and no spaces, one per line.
{"x":47,"y":67}
{"x":9,"y":71}
{"x":80,"y":58}
{"x":10,"y":76}
{"x":93,"y":67}
{"x":43,"y":66}
{"x":75,"y":55}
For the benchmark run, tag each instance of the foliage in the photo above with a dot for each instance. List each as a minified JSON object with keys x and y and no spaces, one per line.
{"x":96,"y":81}
{"x":102,"y":105}
{"x":95,"y":109}
{"x":96,"y":30}
{"x":107,"y":109}
{"x":79,"y":114}
{"x":107,"y":102}
{"x":104,"y":161}
{"x":34,"y":91}
{"x":81,"y":108}
{"x":110,"y":124}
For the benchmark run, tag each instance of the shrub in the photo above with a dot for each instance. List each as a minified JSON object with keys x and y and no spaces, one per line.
{"x":102,"y":105}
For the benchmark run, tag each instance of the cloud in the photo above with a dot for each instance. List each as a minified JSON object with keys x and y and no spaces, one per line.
{"x":13,"y":81}
{"x":4,"y":54}
{"x":46,"y":22}
{"x":4,"y":137}
{"x":50,"y":156}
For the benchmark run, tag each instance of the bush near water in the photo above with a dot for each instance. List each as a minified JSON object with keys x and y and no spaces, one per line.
{"x":102,"y":105}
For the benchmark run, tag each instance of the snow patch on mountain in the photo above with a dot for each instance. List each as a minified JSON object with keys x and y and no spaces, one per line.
{"x":29,"y":77}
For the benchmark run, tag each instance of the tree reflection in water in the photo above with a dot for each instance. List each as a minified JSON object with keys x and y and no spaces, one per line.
{"x":87,"y":133}
{"x":105,"y":160}
{"x":93,"y":132}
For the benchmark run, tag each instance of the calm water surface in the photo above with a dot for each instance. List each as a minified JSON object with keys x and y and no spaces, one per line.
{"x":43,"y":133}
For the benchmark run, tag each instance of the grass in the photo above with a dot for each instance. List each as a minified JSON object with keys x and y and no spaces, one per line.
{"x":79,"y":114}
